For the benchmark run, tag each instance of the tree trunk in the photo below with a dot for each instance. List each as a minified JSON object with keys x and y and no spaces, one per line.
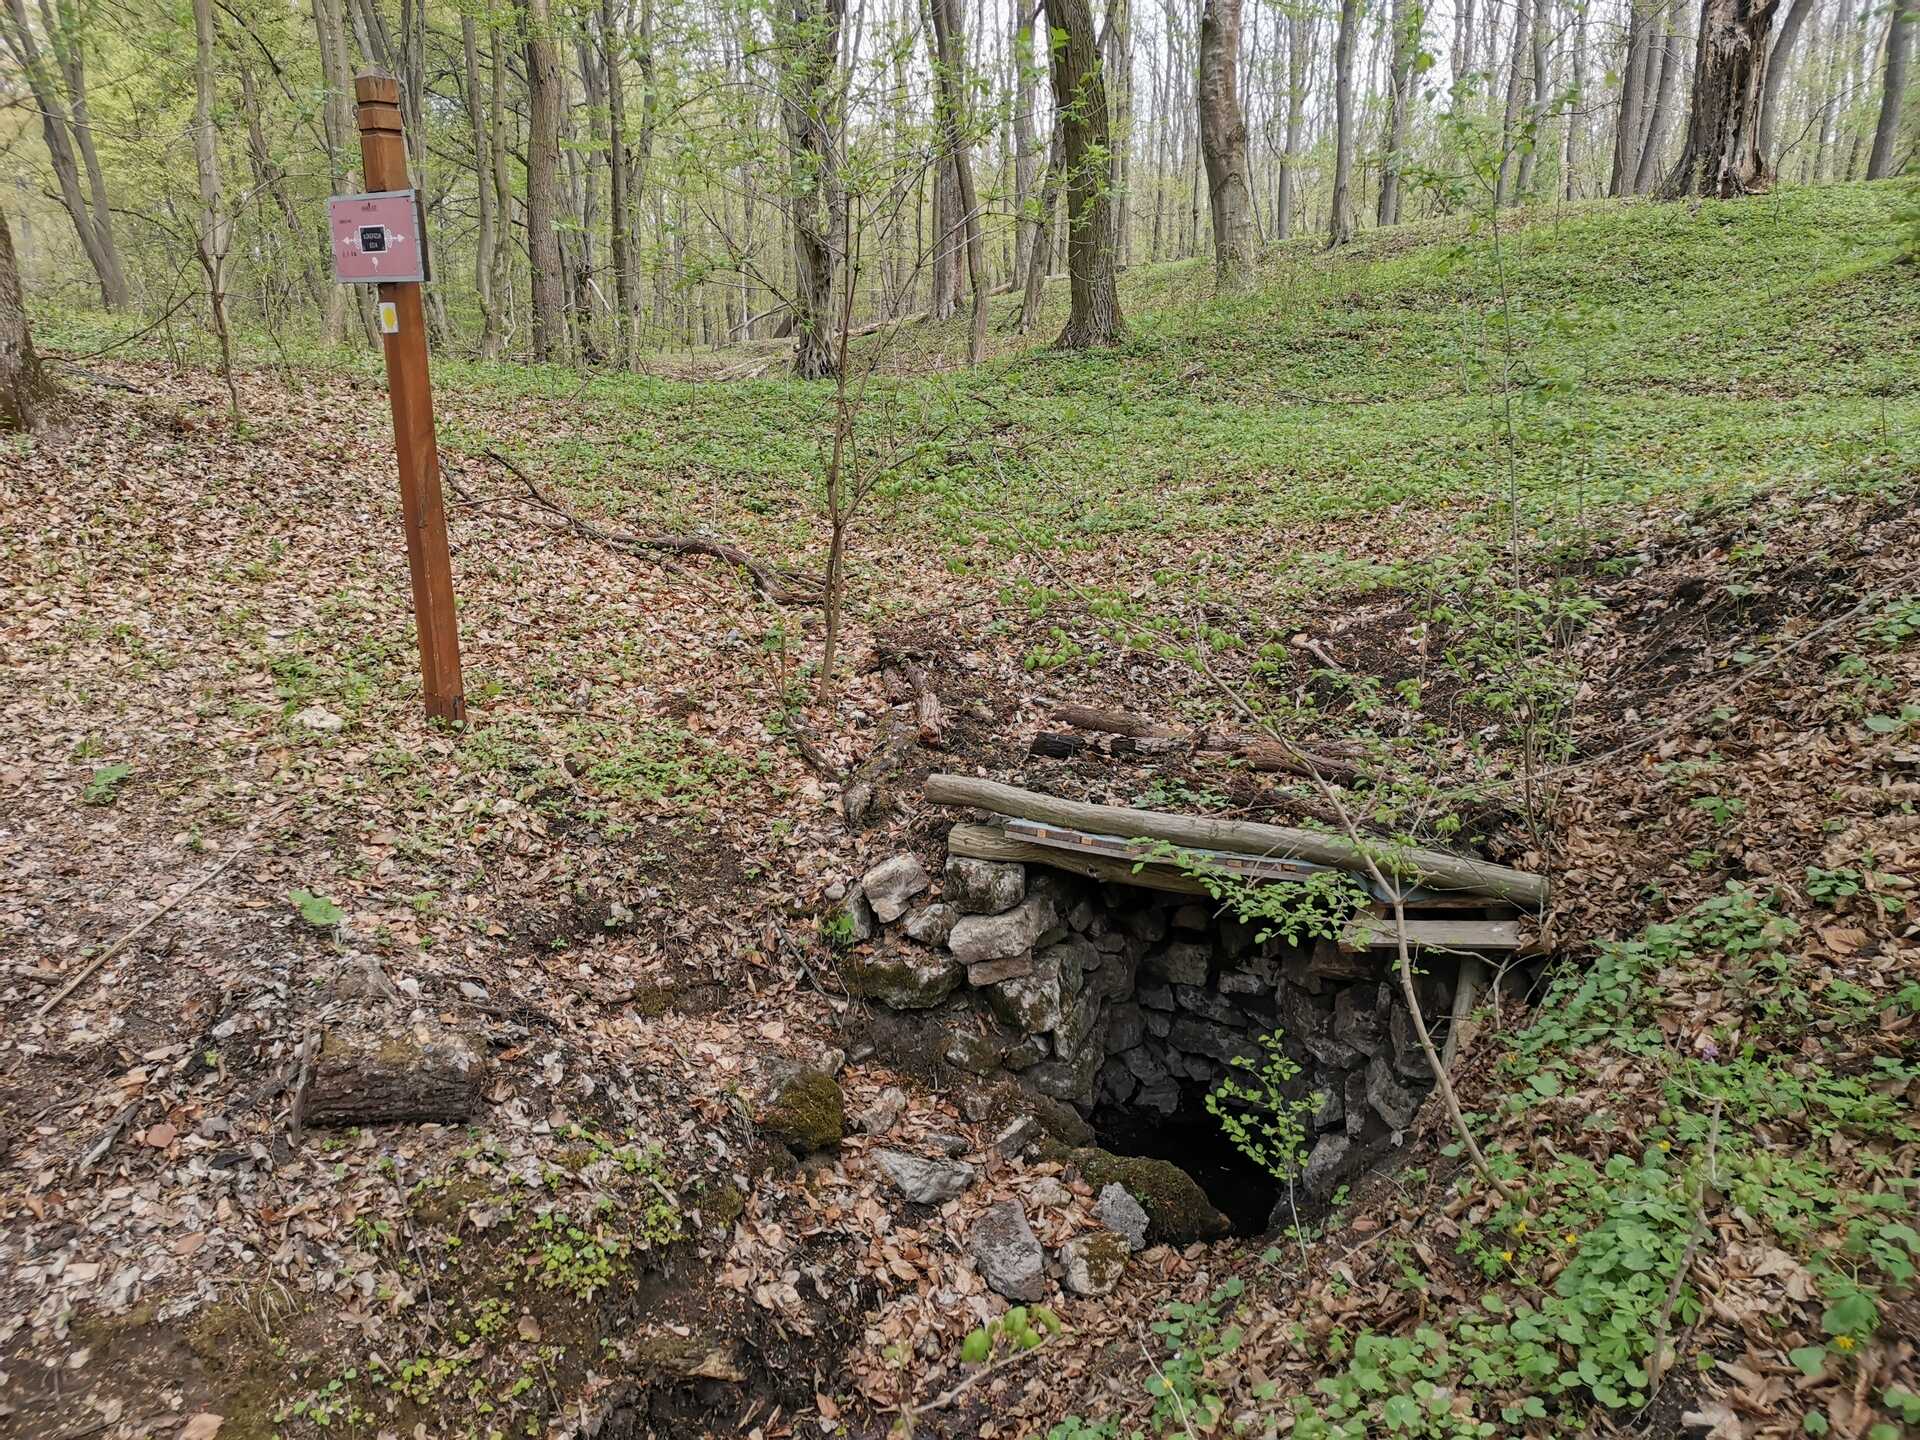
{"x":1647,"y":173}
{"x":96,"y":237}
{"x":1633,"y":76}
{"x":1517,"y":69}
{"x":1026,"y":222}
{"x":1223,"y":141}
{"x":487,"y":235}
{"x":24,"y":387}
{"x":808,"y":38}
{"x":950,"y":81}
{"x":1722,"y":155}
{"x":1340,"y":227}
{"x":1080,"y":98}
{"x":543,"y":184}
{"x":1777,"y":60}
{"x":215,"y":233}
{"x":1297,"y":33}
{"x":1537,"y":108}
{"x":1405,"y":21}
{"x":1899,"y":53}
{"x":1040,"y":259}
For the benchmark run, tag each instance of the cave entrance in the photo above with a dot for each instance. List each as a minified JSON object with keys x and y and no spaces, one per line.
{"x":1194,"y":1140}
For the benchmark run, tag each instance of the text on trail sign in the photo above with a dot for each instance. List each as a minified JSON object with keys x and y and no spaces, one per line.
{"x":376,"y":238}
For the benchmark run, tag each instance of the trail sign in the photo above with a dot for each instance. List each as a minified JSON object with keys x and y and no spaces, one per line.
{"x":378,"y":238}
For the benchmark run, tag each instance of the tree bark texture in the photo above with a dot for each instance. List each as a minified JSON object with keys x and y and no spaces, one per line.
{"x":23,"y":385}
{"x":1080,"y":97}
{"x":809,"y":46}
{"x":1340,"y":225}
{"x":544,"y":101}
{"x":1722,"y":155}
{"x":1886,"y":131}
{"x":1223,"y":140}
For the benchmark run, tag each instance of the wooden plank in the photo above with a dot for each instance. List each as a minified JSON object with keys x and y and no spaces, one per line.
{"x":989,"y":842}
{"x":1367,"y":931}
{"x":1432,"y":868}
{"x":1114,"y":847}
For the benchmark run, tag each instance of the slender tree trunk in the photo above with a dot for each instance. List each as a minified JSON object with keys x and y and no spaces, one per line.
{"x":1647,"y":173}
{"x":1722,"y":155}
{"x":1297,"y":33}
{"x":1633,"y":76}
{"x":1542,"y":70}
{"x":69,"y":52}
{"x":809,"y":43}
{"x":950,"y":81}
{"x":1777,"y":65}
{"x":1223,"y":141}
{"x":1570,"y":152}
{"x":1518,"y":67}
{"x":544,"y":101}
{"x":24,"y":388}
{"x":59,"y":133}
{"x":214,"y":230}
{"x":1027,"y":225}
{"x":1040,"y":258}
{"x":1080,"y":99}
{"x":1886,"y":132}
{"x":487,"y":233}
{"x":1405,"y":21}
{"x":1340,"y":229}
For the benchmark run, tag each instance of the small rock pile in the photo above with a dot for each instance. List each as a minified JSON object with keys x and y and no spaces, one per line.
{"x":1105,"y":995}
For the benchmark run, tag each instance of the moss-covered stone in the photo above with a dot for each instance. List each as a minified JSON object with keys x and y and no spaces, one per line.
{"x":721,"y":1206}
{"x":807,"y":1112}
{"x":903,"y":978}
{"x":1175,"y":1204}
{"x":1094,"y":1263}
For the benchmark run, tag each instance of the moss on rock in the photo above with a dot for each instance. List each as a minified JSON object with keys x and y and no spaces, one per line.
{"x":808,"y":1112}
{"x":902,"y":979}
{"x":1175,"y":1204}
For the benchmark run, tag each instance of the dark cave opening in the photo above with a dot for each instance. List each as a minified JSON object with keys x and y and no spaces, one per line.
{"x":1194,"y":1140}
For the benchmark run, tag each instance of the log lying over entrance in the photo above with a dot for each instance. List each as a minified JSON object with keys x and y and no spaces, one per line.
{"x":1433,"y":869}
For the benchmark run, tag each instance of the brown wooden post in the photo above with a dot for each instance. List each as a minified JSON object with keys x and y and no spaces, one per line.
{"x":383,"y":155}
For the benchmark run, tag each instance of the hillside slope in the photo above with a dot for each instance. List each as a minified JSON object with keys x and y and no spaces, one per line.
{"x":1601,"y":551}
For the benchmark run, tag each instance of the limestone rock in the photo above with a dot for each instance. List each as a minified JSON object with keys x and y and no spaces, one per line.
{"x":1093,"y":1263}
{"x":902,"y":977}
{"x":1209,"y":1004}
{"x":1126,"y":1027}
{"x":998,"y":937}
{"x":1121,"y":1213}
{"x":806,"y":1111}
{"x":1192,"y":917}
{"x":1255,"y":975}
{"x":1080,"y":1027}
{"x":1333,"y":1105}
{"x":1048,"y":1191}
{"x":1144,"y":1065}
{"x":1182,"y":962}
{"x":858,"y":916}
{"x":1393,"y":1100}
{"x":1408,"y":1058}
{"x":883,"y":1114}
{"x":983,"y":887}
{"x":1019,"y":1133}
{"x":1159,"y":1023}
{"x":1155,"y":997}
{"x":1201,"y":1038}
{"x":1010,"y":1258}
{"x":1160,"y":1096}
{"x":1360,"y":1016}
{"x":992,"y":972}
{"x":1355,"y":1095}
{"x":1327,"y":1166}
{"x":972,"y":1052}
{"x":950,"y":1143}
{"x":1068,"y":1078}
{"x":932,"y":924}
{"x":923,"y":1181}
{"x":1075,"y":956}
{"x":1177,"y":1208}
{"x":1116,"y":1084}
{"x":1149,"y":924}
{"x":1026,"y":1052}
{"x":891,"y":885}
{"x":1029,"y":1003}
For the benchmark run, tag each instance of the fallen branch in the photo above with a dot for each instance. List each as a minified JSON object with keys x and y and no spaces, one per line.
{"x":779,"y":585}
{"x":130,"y":936}
{"x":927,"y":710}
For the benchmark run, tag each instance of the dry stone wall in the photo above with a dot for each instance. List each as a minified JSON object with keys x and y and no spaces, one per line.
{"x":1103,"y":995}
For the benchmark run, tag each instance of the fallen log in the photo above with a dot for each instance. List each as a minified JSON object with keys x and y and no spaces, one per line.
{"x":1136,"y":736}
{"x":390,"y":1080}
{"x":1432,"y":868}
{"x":990,"y":842}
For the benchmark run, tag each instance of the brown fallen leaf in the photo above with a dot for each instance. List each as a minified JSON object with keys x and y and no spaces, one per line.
{"x":203,"y":1426}
{"x":159,"y":1137}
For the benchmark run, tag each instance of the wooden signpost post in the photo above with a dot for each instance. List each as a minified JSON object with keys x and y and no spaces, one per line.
{"x":378,"y":239}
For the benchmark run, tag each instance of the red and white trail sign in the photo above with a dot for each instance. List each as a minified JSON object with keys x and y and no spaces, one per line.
{"x":376,"y":238}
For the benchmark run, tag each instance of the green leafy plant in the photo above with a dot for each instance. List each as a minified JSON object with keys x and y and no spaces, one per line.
{"x":317,"y":910}
{"x":103,"y":788}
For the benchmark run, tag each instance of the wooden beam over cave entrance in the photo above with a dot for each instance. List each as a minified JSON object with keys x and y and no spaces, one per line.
{"x":1453,"y":902}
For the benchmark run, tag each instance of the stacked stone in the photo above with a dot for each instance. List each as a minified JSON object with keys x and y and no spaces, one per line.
{"x":1117,"y":995}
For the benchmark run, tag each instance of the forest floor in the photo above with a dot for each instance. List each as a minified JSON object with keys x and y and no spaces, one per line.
{"x":1601,"y":539}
